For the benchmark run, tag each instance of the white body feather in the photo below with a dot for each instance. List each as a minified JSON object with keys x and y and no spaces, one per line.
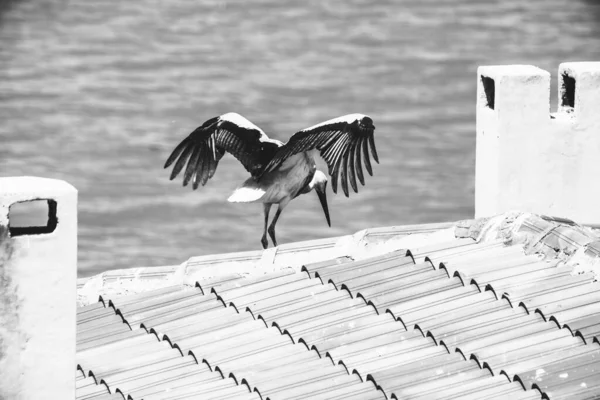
{"x":246,"y":194}
{"x":349,"y":118}
{"x":242,"y":122}
{"x":239,"y":121}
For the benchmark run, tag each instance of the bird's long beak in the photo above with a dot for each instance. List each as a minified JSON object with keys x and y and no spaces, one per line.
{"x":323,"y":198}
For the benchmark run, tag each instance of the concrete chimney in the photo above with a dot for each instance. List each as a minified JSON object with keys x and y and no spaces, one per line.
{"x":530,"y":160}
{"x":38,"y":284}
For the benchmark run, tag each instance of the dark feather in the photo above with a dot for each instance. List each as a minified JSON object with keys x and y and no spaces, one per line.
{"x":185,"y":155}
{"x":344,"y":174}
{"x":197,"y":169}
{"x":205,"y":146}
{"x":176,"y":153}
{"x":366,"y":157}
{"x":337,"y":150}
{"x":352,"y":174}
{"x":207,"y":158}
{"x":373,"y":150}
{"x":359,"y":170}
{"x":334,"y":175}
{"x":191,"y":166}
{"x":340,"y":141}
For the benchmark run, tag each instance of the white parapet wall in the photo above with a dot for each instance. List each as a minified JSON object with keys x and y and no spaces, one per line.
{"x":38,"y":283}
{"x":529,"y":159}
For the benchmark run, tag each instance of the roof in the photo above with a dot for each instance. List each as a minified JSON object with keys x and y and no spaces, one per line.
{"x":490,"y":313}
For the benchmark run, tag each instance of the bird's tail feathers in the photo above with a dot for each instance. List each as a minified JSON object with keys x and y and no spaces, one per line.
{"x":246,"y":195}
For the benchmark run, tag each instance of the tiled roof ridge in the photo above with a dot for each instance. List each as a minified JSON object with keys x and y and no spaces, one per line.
{"x":451,"y":264}
{"x":529,"y":306}
{"x":251,"y":263}
{"x":487,"y":288}
{"x":116,"y":389}
{"x":491,"y":299}
{"x":199,"y":359}
{"x":341,"y":287}
{"x":556,"y":238}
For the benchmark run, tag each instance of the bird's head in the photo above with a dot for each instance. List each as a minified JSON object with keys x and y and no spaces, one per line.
{"x":319,"y":184}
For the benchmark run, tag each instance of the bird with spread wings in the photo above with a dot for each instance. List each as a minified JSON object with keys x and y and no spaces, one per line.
{"x":279,"y":172}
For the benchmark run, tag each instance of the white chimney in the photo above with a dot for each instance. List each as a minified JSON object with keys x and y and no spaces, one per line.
{"x":38,"y":288}
{"x":530,"y":160}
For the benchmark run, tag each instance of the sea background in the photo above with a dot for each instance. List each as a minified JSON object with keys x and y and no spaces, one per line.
{"x":98,"y":92}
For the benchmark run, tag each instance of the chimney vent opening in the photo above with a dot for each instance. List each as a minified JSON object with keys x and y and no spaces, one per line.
{"x":489,"y":87}
{"x":33,"y":217}
{"x":568,"y":91}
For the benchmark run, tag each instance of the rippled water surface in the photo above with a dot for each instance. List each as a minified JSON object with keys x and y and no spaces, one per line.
{"x":97,"y":92}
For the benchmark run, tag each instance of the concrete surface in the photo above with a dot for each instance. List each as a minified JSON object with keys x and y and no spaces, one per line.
{"x":363,"y":244}
{"x":38,"y":274}
{"x":529,"y":159}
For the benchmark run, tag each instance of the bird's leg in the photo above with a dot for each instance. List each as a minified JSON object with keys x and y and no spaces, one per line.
{"x":275,"y":218}
{"x":266,"y":209}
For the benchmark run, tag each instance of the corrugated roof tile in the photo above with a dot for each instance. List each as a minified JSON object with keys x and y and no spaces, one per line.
{"x":161,"y":353}
{"x":139,"y":385}
{"x":355,"y":390}
{"x":148,"y":367}
{"x":189,"y":326}
{"x":440,"y":295}
{"x":487,"y":388}
{"x":419,"y":253}
{"x":468,"y":251}
{"x":261,"y":331}
{"x":571,"y":298}
{"x":86,"y":388}
{"x":409,"y":229}
{"x":100,"y":341}
{"x":184,"y":312}
{"x":340,"y":310}
{"x":586,"y":325}
{"x":552,"y":285}
{"x":361,"y":268}
{"x":508,"y":273}
{"x":134,"y":298}
{"x":453,"y":310}
{"x":92,"y":334}
{"x":218,"y":389}
{"x":395,"y":375}
{"x":498,"y":259}
{"x":82,"y":312}
{"x":554,"y":374}
{"x":243,"y":351}
{"x":458,"y":334}
{"x":478,"y":255}
{"x":408,"y":289}
{"x":497,"y":390}
{"x":226,"y":282}
{"x":521,"y":350}
{"x":360,"y":355}
{"x":152,"y":373}
{"x":440,"y":388}
{"x":157,"y":301}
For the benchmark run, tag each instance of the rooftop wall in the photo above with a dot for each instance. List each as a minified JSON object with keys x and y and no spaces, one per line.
{"x":38,"y":275}
{"x":529,"y":159}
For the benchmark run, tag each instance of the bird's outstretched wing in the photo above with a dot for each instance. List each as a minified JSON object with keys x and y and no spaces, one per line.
{"x":343,"y":143}
{"x":206,"y":145}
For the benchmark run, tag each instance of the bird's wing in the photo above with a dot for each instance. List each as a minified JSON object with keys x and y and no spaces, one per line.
{"x":206,"y":145}
{"x":343,"y":143}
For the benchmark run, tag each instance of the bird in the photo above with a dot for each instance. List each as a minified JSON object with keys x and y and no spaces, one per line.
{"x":280,"y":172}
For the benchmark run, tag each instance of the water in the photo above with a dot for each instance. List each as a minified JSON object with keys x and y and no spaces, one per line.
{"x":98,"y":92}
